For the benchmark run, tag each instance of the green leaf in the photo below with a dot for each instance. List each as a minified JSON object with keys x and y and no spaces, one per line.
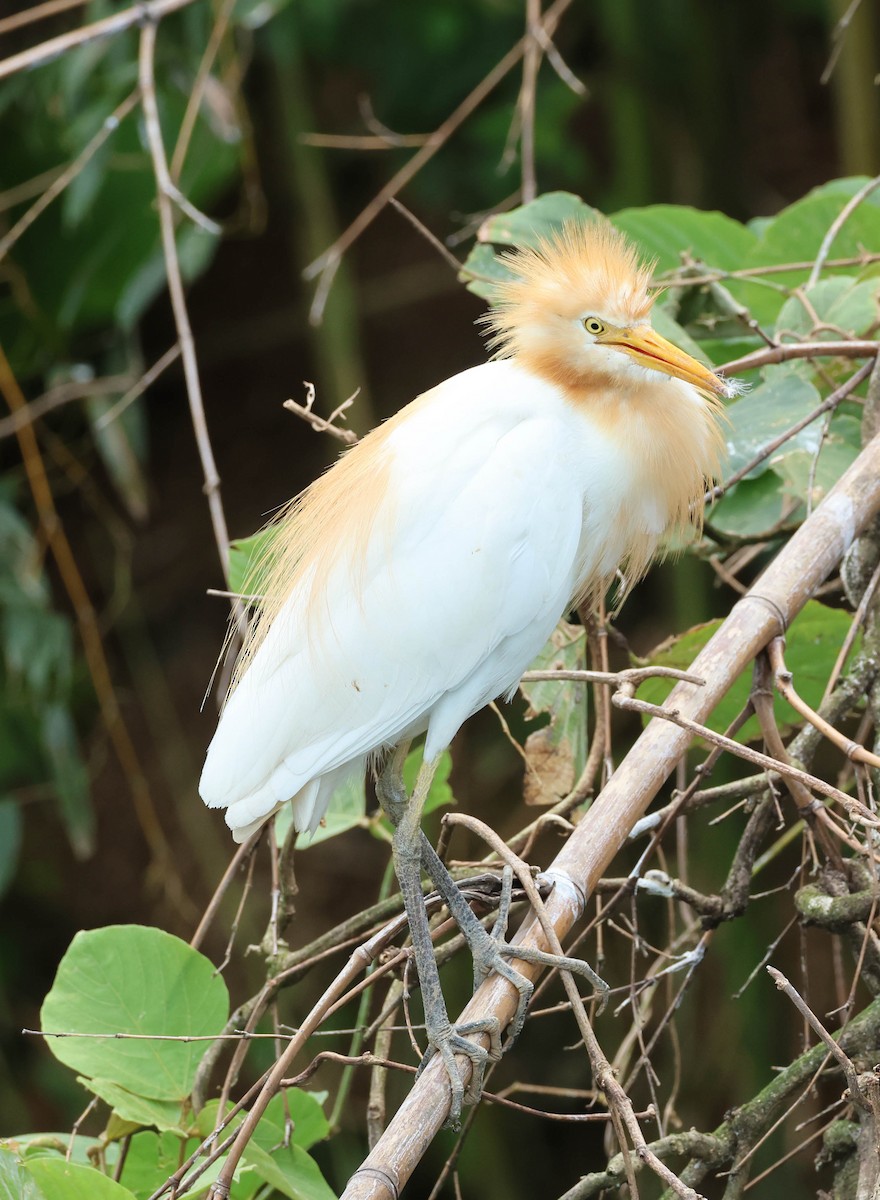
{"x":16,"y":1183}
{"x":811,"y":648}
{"x":664,"y":231}
{"x":795,"y":234}
{"x":754,"y":509}
{"x":838,"y":301}
{"x":41,"y":1145}
{"x":307,"y":1114}
{"x":290,"y":1170}
{"x":557,"y":752}
{"x":484,"y":263}
{"x":38,"y":648}
{"x":839,"y":451}
{"x":134,"y":979}
{"x":80,"y":195}
{"x":60,"y":1180}
{"x":523,"y":226}
{"x":154,"y":1157}
{"x":760,"y":416}
{"x":249,"y":559}
{"x":541,"y":218}
{"x":347,"y":810}
{"x":139,"y":1110}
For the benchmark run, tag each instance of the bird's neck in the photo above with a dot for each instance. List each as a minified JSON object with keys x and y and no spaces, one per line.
{"x":665,"y":440}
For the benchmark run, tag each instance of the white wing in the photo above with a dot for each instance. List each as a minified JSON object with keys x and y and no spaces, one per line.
{"x":455,"y":600}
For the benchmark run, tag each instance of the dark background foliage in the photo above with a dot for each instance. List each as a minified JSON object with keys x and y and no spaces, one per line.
{"x":718,"y":106}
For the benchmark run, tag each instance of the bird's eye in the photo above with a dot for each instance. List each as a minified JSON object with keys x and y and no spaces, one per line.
{"x":593,"y":325}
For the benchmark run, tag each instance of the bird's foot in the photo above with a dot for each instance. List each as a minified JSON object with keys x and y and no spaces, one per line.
{"x":448,"y":1040}
{"x":490,"y":952}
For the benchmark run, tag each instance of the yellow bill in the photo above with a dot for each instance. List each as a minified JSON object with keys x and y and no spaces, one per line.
{"x":649,"y":349}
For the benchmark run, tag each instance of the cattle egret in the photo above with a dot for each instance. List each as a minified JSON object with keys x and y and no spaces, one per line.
{"x":418,"y":578}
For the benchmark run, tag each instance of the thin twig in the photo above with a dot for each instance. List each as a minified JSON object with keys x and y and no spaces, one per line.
{"x":785,"y":686}
{"x":45,"y":52}
{"x":843,"y":1060}
{"x":851,"y":634}
{"x":57,"y":397}
{"x":178,"y":301}
{"x":827,"y":405}
{"x":90,"y":637}
{"x":241,"y":854}
{"x":362,"y":141}
{"x":436,"y":140}
{"x":622,"y":700}
{"x":306,"y":413}
{"x":171,"y":355}
{"x":39,"y":12}
{"x":527,"y":99}
{"x":838,"y":35}
{"x":197,"y":91}
{"x":854,"y":348}
{"x":837,"y":224}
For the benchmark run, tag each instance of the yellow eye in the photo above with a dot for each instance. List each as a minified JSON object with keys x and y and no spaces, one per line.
{"x":593,"y":325}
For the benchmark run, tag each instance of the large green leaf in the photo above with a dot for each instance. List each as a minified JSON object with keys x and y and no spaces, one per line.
{"x":137,"y":980}
{"x":811,"y":648}
{"x":139,"y":1110}
{"x":794,"y":236}
{"x":60,"y":1180}
{"x":154,"y":1157}
{"x":528,"y":224}
{"x":753,"y":508}
{"x":760,"y":416}
{"x":290,"y":1170}
{"x":16,"y":1183}
{"x":666,"y":231}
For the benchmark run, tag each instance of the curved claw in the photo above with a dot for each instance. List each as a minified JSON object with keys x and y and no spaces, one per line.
{"x":451,"y":1041}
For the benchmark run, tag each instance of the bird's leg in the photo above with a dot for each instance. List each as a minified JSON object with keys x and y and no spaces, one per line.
{"x":446,"y":1039}
{"x":490,"y":952}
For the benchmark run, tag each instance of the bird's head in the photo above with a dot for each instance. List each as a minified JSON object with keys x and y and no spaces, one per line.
{"x":578,"y":311}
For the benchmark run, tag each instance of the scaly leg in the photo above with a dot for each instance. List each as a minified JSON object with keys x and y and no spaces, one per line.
{"x":490,"y":951}
{"x":444,"y":1037}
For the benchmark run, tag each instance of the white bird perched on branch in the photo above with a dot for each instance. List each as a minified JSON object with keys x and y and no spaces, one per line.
{"x":417,"y":579}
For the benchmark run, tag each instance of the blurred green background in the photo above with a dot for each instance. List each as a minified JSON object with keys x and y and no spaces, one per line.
{"x":713,"y":105}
